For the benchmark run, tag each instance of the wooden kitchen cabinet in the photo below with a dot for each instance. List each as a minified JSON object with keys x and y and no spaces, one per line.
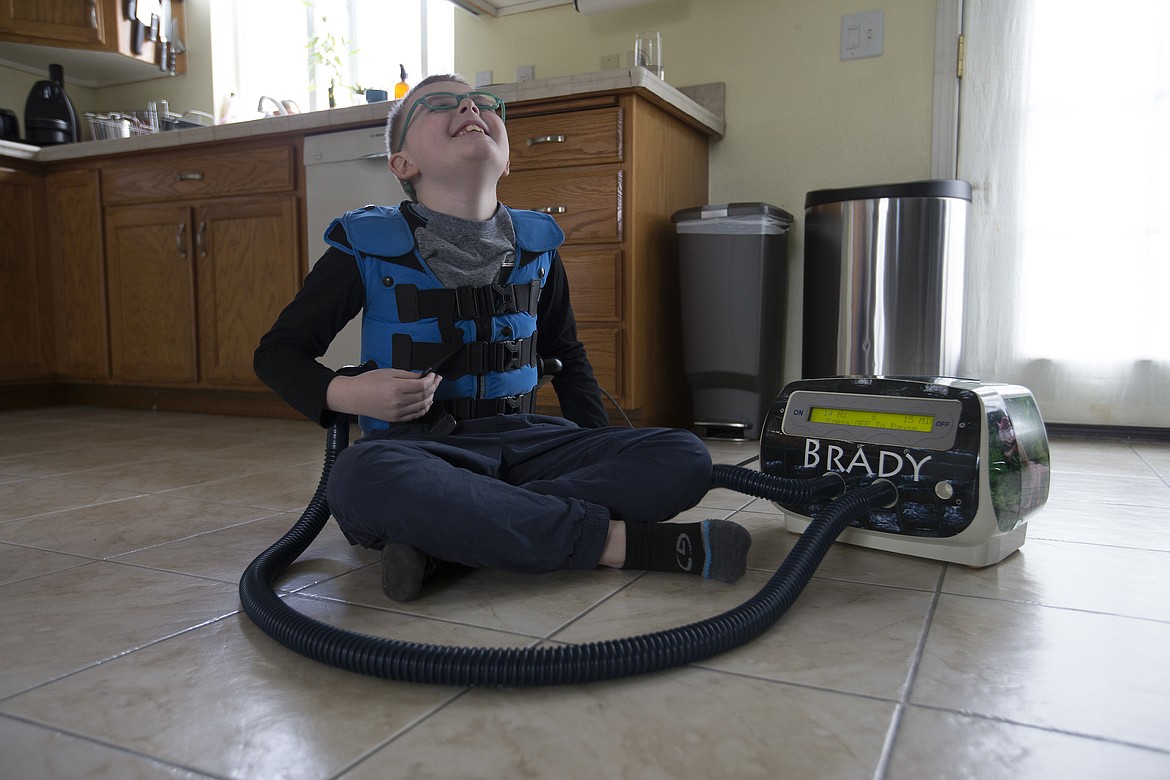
{"x":26,"y":350}
{"x":246,"y":273}
{"x":55,"y":21}
{"x":196,"y":281}
{"x":612,"y":169}
{"x":152,"y":293}
{"x":98,"y":26}
{"x":73,"y":212}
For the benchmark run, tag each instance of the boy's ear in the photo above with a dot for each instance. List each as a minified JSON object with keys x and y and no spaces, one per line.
{"x":401,"y":166}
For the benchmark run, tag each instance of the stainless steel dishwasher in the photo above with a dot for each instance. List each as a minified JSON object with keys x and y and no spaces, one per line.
{"x":343,"y":171}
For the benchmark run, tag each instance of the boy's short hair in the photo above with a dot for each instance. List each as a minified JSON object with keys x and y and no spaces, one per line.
{"x":399,"y":109}
{"x":397,"y":115}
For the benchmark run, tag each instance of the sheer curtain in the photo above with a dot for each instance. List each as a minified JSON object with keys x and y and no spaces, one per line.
{"x":1064,"y":133}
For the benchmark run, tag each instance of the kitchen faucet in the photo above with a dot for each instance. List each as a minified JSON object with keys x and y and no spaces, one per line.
{"x":280,"y":110}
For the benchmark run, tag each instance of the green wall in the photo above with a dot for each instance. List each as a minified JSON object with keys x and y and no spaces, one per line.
{"x":798,"y":118}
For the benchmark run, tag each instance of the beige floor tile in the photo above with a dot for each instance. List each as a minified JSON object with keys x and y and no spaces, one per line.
{"x":1079,"y":456}
{"x":733,"y":452}
{"x":30,"y":751}
{"x":1157,"y":456}
{"x":58,"y":461}
{"x":124,"y":526}
{"x":224,"y":554}
{"x":26,"y":497}
{"x":284,"y":489}
{"x":722,"y":498}
{"x":839,"y":635}
{"x":1117,"y":525}
{"x":763,"y":506}
{"x":1091,"y":674}
{"x":22,"y":563}
{"x":1075,"y":576}
{"x":142,"y":665}
{"x":230,"y":701}
{"x":54,"y":625}
{"x":276,"y":452}
{"x":771,"y":544}
{"x":932,"y":745}
{"x":662,"y":726}
{"x":164,"y":473}
{"x":1109,"y":489}
{"x":531,"y":604}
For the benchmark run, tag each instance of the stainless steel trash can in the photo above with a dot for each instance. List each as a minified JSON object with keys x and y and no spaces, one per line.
{"x":883,"y":279}
{"x":733,"y":272}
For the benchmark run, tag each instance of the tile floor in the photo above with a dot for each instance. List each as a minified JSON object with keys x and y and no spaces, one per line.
{"x":125,"y":653}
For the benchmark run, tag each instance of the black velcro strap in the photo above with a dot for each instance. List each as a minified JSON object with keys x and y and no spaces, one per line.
{"x":466,"y":303}
{"x":482,"y":357}
{"x":453,"y":361}
{"x":471,"y":408}
{"x":491,"y":300}
{"x":411,"y":355}
{"x":406,"y":296}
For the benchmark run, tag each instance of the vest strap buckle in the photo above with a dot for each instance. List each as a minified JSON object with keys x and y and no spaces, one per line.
{"x":511,"y":354}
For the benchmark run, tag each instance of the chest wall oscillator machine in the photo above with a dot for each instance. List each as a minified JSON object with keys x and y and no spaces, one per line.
{"x":970,"y":460}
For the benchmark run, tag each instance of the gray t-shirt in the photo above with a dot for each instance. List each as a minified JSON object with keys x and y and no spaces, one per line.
{"x":466,"y":253}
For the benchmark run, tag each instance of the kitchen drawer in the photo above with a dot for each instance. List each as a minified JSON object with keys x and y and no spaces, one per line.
{"x":586,"y":203}
{"x":604,"y":348}
{"x":227,"y":173}
{"x":594,"y":282}
{"x":569,"y":138}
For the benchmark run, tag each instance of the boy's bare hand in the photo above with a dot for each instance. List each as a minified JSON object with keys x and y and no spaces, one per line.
{"x":385,"y":393}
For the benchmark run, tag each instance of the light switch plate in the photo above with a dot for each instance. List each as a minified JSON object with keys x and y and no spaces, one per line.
{"x":482,"y":78}
{"x":862,"y":35}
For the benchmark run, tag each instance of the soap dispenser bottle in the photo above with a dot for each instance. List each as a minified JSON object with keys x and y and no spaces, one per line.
{"x":401,"y":88}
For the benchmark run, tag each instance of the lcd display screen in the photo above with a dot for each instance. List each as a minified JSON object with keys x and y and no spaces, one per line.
{"x":890,"y":421}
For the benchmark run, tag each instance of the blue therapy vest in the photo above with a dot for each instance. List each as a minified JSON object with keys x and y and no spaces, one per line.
{"x":482,"y":340}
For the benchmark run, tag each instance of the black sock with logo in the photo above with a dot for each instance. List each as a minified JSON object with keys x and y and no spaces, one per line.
{"x":713,"y":549}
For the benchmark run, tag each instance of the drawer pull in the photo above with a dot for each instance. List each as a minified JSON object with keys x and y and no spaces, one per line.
{"x":546,"y":139}
{"x":179,"y":240}
{"x":190,"y":176}
{"x":552,"y":209}
{"x":199,"y":239}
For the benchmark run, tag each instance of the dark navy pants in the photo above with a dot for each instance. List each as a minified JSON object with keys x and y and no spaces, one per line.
{"x":523,"y":493}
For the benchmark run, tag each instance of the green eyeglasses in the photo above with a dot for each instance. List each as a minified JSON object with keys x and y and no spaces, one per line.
{"x":449,"y":101}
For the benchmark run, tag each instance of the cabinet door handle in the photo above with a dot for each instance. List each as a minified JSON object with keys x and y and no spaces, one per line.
{"x":179,"y":240}
{"x":546,"y":139}
{"x":552,"y":209}
{"x":190,"y":176}
{"x":93,"y":19}
{"x":199,"y":238}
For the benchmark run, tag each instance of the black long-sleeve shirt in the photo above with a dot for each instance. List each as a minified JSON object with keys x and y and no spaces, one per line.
{"x":333,"y":294}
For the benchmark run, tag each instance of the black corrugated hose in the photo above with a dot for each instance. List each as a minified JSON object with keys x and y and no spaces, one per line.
{"x":446,"y":665}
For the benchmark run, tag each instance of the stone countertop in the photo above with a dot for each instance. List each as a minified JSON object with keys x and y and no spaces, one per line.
{"x":708,"y":119}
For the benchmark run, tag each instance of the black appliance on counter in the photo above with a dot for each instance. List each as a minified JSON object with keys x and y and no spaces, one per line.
{"x":9,"y":126}
{"x":49,"y":117}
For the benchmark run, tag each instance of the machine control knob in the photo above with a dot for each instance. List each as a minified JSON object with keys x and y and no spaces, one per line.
{"x":944,"y":490}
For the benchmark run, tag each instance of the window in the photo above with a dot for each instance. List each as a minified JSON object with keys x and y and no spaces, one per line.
{"x":1064,"y":114}
{"x":260,"y":47}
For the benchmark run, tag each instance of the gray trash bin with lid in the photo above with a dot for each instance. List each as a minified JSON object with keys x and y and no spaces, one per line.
{"x":883,"y":279}
{"x":733,"y":274}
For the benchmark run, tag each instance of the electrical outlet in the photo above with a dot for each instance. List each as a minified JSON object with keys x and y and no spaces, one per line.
{"x":525,"y":73}
{"x":611,"y":61}
{"x":482,"y":78}
{"x":862,"y":35}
